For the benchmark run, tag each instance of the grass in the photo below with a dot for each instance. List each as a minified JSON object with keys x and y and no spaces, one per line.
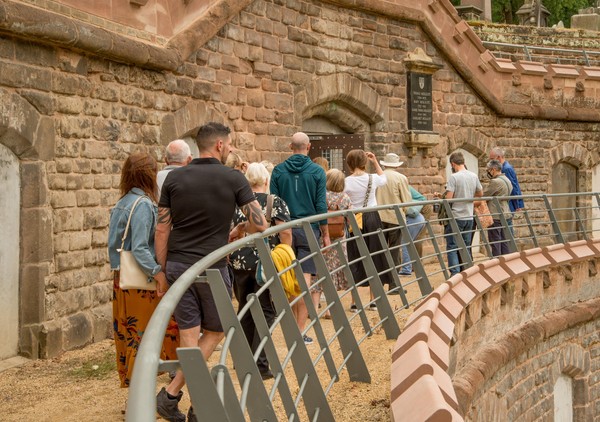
{"x":97,"y":367}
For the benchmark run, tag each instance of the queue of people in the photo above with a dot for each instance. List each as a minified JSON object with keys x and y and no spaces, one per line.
{"x":189,"y":219}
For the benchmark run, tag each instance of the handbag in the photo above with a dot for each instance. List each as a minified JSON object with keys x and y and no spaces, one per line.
{"x":442,"y":214}
{"x":483,"y":215}
{"x":131,"y":275}
{"x":336,"y":225}
{"x":259,"y":274}
{"x":359,"y":215}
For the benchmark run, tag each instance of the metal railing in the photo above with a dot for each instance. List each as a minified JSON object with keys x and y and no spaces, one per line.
{"x":233,"y":390}
{"x":555,"y":55}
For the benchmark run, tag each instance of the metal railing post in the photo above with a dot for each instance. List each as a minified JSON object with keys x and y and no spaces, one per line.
{"x":418,"y":267}
{"x":553,"y":221}
{"x":390,"y":325}
{"x":508,"y":235}
{"x":356,"y":365}
{"x":311,"y":390}
{"x":260,"y":408}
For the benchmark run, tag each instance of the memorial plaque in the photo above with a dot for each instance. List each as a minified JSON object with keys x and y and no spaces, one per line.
{"x":419,"y":102}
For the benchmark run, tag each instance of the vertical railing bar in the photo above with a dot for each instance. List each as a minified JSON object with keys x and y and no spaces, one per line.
{"x":557,"y":233}
{"x":303,"y":368}
{"x":418,"y":267}
{"x":357,"y":369}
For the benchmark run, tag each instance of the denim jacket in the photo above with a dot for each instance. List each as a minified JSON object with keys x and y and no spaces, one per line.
{"x":140,"y":238}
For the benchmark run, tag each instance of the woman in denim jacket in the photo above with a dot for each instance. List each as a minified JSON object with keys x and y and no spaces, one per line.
{"x":133,"y":308}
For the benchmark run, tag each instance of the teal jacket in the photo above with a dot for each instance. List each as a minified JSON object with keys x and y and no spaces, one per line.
{"x":301,"y":184}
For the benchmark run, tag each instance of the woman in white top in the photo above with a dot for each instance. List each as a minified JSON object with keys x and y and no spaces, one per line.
{"x":361,"y":187}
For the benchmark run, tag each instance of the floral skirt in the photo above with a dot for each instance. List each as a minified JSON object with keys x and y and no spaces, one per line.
{"x":132,"y":310}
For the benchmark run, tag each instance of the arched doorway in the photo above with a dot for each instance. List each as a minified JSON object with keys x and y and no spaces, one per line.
{"x":10,"y":195}
{"x":564,"y":180}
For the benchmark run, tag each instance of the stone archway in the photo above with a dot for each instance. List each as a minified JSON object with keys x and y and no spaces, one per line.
{"x":569,"y":174}
{"x":29,"y":137}
{"x":344,"y":100}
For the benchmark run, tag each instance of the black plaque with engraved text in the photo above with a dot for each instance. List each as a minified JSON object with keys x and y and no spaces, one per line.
{"x":419,"y":102}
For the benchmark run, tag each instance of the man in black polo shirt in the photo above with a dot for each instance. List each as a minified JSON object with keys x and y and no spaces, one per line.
{"x":195,"y":211}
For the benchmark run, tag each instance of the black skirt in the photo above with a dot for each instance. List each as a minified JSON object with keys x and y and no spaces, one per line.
{"x":371,"y":223}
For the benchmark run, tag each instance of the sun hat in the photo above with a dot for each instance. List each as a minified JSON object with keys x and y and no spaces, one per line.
{"x":391,"y":160}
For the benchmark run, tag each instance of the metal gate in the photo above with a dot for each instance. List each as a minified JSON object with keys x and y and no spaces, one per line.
{"x":335,"y":148}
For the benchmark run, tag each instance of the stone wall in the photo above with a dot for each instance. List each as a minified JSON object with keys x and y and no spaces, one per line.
{"x":72,"y":114}
{"x":491,"y":342}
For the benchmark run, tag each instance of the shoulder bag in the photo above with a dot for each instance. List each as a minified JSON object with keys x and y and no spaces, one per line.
{"x":260,"y":276}
{"x":359,"y":215}
{"x":483,"y":215}
{"x":131,"y":275}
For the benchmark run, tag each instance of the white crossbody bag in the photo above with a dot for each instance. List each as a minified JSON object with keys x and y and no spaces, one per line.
{"x":131,"y":275}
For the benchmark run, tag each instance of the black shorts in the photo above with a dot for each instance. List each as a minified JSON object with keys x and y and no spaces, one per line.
{"x":197,"y":306}
{"x":301,"y":249}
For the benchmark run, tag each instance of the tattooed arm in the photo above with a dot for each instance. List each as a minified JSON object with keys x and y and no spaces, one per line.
{"x":256,"y":221}
{"x":161,"y":237}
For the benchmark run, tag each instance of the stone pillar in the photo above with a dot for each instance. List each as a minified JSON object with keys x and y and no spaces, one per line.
{"x":533,"y":13}
{"x":588,"y":18}
{"x":470,"y":6}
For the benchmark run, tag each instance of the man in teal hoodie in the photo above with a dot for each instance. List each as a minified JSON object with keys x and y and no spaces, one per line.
{"x":301,"y":184}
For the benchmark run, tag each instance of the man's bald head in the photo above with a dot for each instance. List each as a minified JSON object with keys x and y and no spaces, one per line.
{"x":300,"y":143}
{"x":178,"y":153}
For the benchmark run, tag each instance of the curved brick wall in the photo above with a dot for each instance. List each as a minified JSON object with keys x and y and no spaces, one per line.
{"x":491,"y":341}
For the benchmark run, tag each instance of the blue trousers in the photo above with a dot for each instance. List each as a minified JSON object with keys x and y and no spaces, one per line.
{"x":466,"y":231}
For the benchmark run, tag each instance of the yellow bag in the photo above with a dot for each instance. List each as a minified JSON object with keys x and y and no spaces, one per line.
{"x":283,"y":256}
{"x":358,"y":221}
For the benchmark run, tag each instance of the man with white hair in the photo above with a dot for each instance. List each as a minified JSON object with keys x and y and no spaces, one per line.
{"x":178,"y":154}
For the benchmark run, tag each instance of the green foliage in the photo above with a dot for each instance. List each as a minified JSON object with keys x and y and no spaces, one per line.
{"x":562,"y":10}
{"x":505,"y":11}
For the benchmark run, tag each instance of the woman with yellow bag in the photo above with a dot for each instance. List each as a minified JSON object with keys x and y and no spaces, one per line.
{"x":361,"y":187}
{"x":245,"y":261}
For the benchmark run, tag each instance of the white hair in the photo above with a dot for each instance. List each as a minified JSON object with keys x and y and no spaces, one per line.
{"x":178,"y":151}
{"x":257,"y":174}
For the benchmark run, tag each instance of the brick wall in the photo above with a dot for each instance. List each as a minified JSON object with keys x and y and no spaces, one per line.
{"x":273,"y":65}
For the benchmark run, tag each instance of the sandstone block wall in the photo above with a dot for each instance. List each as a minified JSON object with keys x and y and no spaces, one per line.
{"x":270,"y":67}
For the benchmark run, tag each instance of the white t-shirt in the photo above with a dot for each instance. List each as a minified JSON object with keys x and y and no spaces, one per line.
{"x":464,"y":184}
{"x":356,"y":188}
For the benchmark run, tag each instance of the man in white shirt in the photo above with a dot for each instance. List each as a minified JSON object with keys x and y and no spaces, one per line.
{"x":462,"y":183}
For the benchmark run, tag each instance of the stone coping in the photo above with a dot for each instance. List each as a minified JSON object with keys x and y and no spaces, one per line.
{"x":421,"y":387}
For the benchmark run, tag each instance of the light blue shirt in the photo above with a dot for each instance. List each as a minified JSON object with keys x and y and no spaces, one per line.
{"x":140,"y":237}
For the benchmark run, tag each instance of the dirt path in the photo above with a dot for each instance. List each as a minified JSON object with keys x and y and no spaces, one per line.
{"x":82,"y":385}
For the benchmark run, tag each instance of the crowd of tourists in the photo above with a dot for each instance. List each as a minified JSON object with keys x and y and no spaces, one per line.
{"x":170,"y":219}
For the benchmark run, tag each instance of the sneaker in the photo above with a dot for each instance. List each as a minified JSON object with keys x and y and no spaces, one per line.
{"x":267,"y":375}
{"x":372,"y":307}
{"x":191,"y":416}
{"x":168,"y":408}
{"x":353,"y":308}
{"x":307,"y":340}
{"x":405,"y":274}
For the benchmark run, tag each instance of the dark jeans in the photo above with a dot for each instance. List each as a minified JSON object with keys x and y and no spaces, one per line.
{"x":498,"y":243}
{"x":244,"y":284}
{"x":394,"y":240}
{"x":455,"y":264}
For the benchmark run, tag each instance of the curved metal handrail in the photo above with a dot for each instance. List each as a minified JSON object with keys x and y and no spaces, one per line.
{"x":536,"y":229}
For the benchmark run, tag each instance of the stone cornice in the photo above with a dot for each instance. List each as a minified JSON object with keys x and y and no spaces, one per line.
{"x":558,"y":92}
